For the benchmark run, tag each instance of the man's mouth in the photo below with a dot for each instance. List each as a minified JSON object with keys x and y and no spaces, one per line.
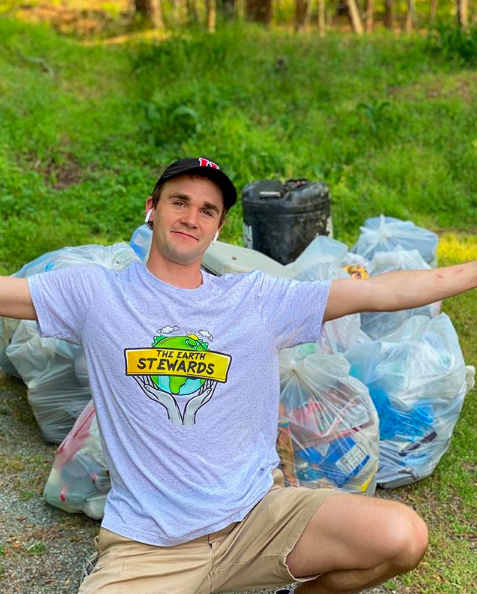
{"x":185,"y":235}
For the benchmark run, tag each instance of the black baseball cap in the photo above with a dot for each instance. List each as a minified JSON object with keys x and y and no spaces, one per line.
{"x":206,"y":168}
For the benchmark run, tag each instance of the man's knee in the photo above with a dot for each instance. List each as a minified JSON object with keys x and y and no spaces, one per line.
{"x":406,"y":539}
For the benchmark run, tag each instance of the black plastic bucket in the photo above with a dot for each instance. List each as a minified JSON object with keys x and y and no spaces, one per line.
{"x":281,"y":219}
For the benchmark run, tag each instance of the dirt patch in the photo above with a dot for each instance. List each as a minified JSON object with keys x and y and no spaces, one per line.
{"x":80,"y":22}
{"x":60,"y":175}
{"x":462,"y":85}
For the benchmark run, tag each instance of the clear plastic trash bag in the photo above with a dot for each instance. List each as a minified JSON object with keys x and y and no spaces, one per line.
{"x":321,"y":250}
{"x":417,"y":381}
{"x":383,"y":234}
{"x":7,"y":330}
{"x":328,"y":432}
{"x":46,"y":366}
{"x":79,"y":480}
{"x":378,"y":324}
{"x":340,"y":334}
{"x":141,"y":241}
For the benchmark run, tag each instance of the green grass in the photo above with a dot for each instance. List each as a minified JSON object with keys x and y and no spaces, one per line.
{"x":385,"y":121}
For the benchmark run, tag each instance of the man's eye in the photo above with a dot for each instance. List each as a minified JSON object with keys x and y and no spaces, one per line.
{"x":179,"y":203}
{"x":207,"y":212}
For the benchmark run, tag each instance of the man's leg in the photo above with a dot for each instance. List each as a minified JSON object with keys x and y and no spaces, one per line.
{"x":356,"y":542}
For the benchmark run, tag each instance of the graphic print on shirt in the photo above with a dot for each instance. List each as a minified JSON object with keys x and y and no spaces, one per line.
{"x":178,"y":365}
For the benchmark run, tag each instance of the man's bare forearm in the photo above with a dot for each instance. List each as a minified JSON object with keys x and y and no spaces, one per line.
{"x":15,"y":299}
{"x":412,"y":288}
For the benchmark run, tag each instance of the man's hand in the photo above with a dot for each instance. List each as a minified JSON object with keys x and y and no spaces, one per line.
{"x":170,"y":404}
{"x":154,"y":393}
{"x":15,"y":299}
{"x":394,"y":291}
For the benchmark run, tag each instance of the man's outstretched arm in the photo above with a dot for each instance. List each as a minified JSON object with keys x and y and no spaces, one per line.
{"x":394,"y":291}
{"x":15,"y":299}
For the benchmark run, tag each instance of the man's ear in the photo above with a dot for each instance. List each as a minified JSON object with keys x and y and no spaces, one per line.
{"x":149,"y":204}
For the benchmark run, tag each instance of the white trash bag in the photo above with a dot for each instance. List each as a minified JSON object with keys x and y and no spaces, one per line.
{"x":46,"y":366}
{"x":328,"y":433}
{"x":340,"y":334}
{"x":378,"y":324}
{"x":383,"y":234}
{"x":321,"y":250}
{"x":79,"y":480}
{"x":417,"y":381}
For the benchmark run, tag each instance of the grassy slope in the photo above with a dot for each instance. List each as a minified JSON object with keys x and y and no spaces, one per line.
{"x":389,"y":127}
{"x":386,"y":125}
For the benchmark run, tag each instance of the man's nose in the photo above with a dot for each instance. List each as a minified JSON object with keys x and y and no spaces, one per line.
{"x":190,"y":217}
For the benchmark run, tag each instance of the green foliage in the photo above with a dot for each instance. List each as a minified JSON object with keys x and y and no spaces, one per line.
{"x":454,"y":43}
{"x":86,"y":130}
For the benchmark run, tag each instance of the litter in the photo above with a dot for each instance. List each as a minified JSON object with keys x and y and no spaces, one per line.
{"x":328,"y":427}
{"x":383,"y":234}
{"x":342,"y":333}
{"x":417,"y":381}
{"x":79,"y":480}
{"x":378,"y":324}
{"x":141,"y":241}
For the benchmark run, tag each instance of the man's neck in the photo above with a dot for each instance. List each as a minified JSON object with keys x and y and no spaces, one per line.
{"x":178,"y":275}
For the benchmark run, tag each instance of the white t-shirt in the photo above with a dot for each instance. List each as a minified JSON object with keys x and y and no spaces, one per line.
{"x":185,"y":384}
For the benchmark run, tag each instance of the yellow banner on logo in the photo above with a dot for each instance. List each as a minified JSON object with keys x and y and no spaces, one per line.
{"x":178,"y":362}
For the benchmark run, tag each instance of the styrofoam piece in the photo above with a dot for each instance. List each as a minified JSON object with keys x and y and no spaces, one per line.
{"x":221,"y":258}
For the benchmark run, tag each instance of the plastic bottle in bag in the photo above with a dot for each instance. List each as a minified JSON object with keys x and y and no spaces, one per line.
{"x":141,"y":241}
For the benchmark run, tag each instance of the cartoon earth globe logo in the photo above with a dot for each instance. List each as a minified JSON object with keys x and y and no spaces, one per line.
{"x":179,"y":385}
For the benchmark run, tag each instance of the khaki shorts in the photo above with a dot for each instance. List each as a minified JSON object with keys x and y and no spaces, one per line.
{"x":246,"y":555}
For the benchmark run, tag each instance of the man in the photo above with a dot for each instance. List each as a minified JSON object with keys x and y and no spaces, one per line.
{"x":184,"y":372}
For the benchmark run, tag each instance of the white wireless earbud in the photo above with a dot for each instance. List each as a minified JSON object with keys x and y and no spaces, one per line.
{"x":148,"y":216}
{"x":215,"y":237}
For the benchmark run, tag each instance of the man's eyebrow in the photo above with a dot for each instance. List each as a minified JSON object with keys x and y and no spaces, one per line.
{"x":186,"y":198}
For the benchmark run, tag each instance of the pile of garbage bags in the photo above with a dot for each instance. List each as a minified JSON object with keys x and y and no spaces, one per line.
{"x":374,"y":402}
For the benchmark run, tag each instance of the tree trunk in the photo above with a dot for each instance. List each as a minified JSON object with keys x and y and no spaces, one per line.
{"x":309,"y":10}
{"x":192,"y":12}
{"x":410,"y":16}
{"x":369,"y":15}
{"x":227,"y":9}
{"x":176,"y":10}
{"x":433,"y":10}
{"x":211,"y":13}
{"x":300,"y":14}
{"x":321,"y":17}
{"x":389,"y":19}
{"x":355,"y":18}
{"x":151,"y":11}
{"x":463,"y":13}
{"x":259,"y":11}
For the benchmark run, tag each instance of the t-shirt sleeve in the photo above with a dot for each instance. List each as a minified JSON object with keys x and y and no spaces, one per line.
{"x":63,"y":299}
{"x":292,"y":310}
